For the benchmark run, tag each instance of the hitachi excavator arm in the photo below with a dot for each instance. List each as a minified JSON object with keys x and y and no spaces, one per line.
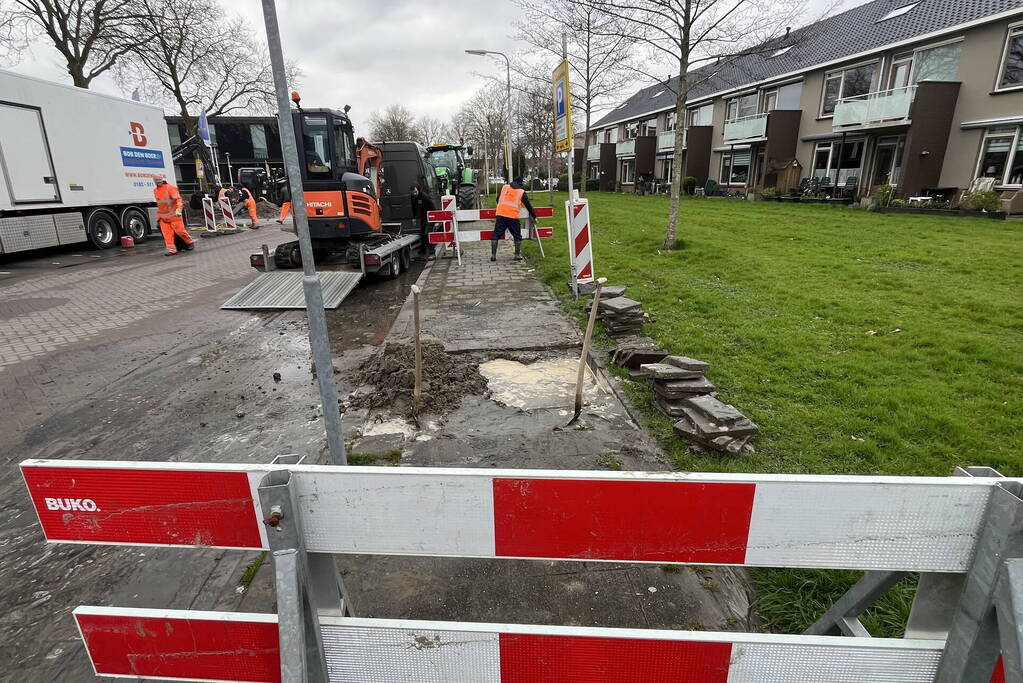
{"x":370,"y":158}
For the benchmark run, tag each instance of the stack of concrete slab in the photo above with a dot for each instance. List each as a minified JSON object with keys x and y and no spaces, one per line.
{"x":633,"y":352}
{"x":621,"y":315}
{"x":709,"y":423}
{"x":675,"y":379}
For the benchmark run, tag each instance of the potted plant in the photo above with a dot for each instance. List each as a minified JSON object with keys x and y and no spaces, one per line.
{"x":769,"y":194}
{"x":982,"y":203}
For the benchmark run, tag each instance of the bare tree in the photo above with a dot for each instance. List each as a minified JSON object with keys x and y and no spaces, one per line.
{"x":481,"y":121}
{"x":395,"y":123}
{"x":535,"y":124}
{"x":432,"y":129}
{"x":196,"y":59}
{"x":90,"y":35}
{"x":600,"y":51}
{"x":690,"y":32}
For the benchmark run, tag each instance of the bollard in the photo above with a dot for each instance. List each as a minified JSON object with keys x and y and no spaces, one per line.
{"x":417,"y":391}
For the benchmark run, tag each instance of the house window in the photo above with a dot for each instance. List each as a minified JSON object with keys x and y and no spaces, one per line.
{"x":838,"y":162}
{"x":937,"y":63}
{"x":594,"y":171}
{"x":1012,"y":59}
{"x":902,"y":68}
{"x":839,"y":85}
{"x":175,"y":134}
{"x":897,"y":12}
{"x":741,"y":107}
{"x":213,"y":135}
{"x":1001,"y":157}
{"x":628,"y":170}
{"x":668,"y":165}
{"x":631,"y":130}
{"x":650,"y":127}
{"x":259,"y":150}
{"x":669,"y":121}
{"x":702,"y":116}
{"x":735,"y":168}
{"x":770,"y":101}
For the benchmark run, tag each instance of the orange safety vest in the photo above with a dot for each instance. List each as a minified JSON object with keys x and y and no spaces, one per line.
{"x":510,"y":202}
{"x":168,"y":200}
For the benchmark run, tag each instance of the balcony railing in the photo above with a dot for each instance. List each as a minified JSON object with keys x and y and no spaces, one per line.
{"x":886,"y":106}
{"x":754,"y":126}
{"x":626,"y":148}
{"x":666,"y":140}
{"x":593,"y":152}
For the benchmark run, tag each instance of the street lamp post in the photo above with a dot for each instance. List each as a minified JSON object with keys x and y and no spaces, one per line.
{"x":508,"y":128}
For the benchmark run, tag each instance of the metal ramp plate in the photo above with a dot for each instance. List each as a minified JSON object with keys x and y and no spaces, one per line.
{"x":281,"y":290}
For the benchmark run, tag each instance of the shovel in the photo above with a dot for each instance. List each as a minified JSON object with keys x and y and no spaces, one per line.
{"x":581,"y":375}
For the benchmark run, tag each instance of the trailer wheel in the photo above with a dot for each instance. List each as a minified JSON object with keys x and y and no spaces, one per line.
{"x":102,"y":227}
{"x":406,"y":258}
{"x":394,"y":267}
{"x":135,"y":224}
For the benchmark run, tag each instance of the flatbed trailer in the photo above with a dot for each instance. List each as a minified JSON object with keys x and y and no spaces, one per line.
{"x":386,"y":255}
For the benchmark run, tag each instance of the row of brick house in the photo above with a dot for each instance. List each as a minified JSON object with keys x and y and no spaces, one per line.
{"x":925,"y":95}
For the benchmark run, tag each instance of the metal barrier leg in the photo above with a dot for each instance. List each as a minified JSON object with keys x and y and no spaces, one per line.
{"x":842,"y":617}
{"x":972,"y":648}
{"x":307,"y":584}
{"x":1009,"y":608}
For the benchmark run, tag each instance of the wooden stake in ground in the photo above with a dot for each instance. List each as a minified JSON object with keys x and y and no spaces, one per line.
{"x":581,"y":376}
{"x":417,"y":390}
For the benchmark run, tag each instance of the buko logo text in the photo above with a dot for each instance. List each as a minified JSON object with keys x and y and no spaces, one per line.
{"x":71,"y":504}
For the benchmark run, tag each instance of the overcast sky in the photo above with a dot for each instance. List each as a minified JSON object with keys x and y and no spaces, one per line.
{"x":372,"y":54}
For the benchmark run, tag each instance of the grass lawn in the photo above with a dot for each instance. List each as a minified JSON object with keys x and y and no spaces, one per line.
{"x":858,"y":342}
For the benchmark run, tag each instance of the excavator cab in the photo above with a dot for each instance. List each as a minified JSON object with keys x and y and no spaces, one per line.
{"x":340,"y":203}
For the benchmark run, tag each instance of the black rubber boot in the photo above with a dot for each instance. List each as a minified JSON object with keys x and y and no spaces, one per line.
{"x":493,"y":250}
{"x":518,"y":250}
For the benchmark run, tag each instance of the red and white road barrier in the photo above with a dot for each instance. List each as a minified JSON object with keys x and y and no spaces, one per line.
{"x":927,"y":524}
{"x":580,"y":243}
{"x":453,"y":217}
{"x":208,"y":214}
{"x":228,"y":211}
{"x":243,"y":647}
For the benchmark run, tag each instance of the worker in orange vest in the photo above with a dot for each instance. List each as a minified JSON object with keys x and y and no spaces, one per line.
{"x":250,"y":205}
{"x":169,"y":206}
{"x":509,"y":204}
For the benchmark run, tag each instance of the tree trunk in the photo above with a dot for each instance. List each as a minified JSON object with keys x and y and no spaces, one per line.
{"x":77,"y":75}
{"x":671,"y":233}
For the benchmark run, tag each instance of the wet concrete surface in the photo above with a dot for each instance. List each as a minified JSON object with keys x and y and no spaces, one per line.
{"x":189,"y":382}
{"x":185,"y":382}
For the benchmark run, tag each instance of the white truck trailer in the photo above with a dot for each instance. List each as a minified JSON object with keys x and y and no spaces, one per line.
{"x":76,"y":165}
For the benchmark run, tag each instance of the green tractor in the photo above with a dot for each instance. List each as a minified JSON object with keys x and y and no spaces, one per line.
{"x":456,"y":177}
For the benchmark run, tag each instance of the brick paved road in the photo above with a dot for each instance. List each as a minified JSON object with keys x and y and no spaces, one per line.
{"x":51,"y":310}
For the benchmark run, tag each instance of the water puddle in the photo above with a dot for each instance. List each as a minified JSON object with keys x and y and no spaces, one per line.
{"x":544,"y":384}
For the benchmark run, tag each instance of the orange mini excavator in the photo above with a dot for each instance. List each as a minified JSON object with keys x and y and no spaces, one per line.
{"x":342,"y":179}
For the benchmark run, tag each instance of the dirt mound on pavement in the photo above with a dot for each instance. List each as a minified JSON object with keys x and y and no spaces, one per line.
{"x":265,"y":209}
{"x":446,"y":379}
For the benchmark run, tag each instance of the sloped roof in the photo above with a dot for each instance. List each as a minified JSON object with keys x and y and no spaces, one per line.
{"x":850,"y":33}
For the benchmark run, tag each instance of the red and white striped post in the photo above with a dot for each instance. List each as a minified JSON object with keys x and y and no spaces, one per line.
{"x":208,"y":214}
{"x":228,"y":211}
{"x":580,"y":244}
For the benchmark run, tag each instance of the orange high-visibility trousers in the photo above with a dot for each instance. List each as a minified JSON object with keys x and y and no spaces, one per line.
{"x":171,"y":225}
{"x":250,"y":206}
{"x":285,"y":210}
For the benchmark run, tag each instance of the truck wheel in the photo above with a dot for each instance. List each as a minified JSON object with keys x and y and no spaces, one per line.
{"x":406,"y":258}
{"x":135,"y":224}
{"x":468,"y":197}
{"x":102,"y":227}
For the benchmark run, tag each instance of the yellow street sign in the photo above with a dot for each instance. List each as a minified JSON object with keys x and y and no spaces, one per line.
{"x":200,"y":171}
{"x":562,"y":109}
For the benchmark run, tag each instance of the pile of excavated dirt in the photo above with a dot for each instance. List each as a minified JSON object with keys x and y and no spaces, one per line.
{"x":446,"y":379}
{"x":265,"y":209}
